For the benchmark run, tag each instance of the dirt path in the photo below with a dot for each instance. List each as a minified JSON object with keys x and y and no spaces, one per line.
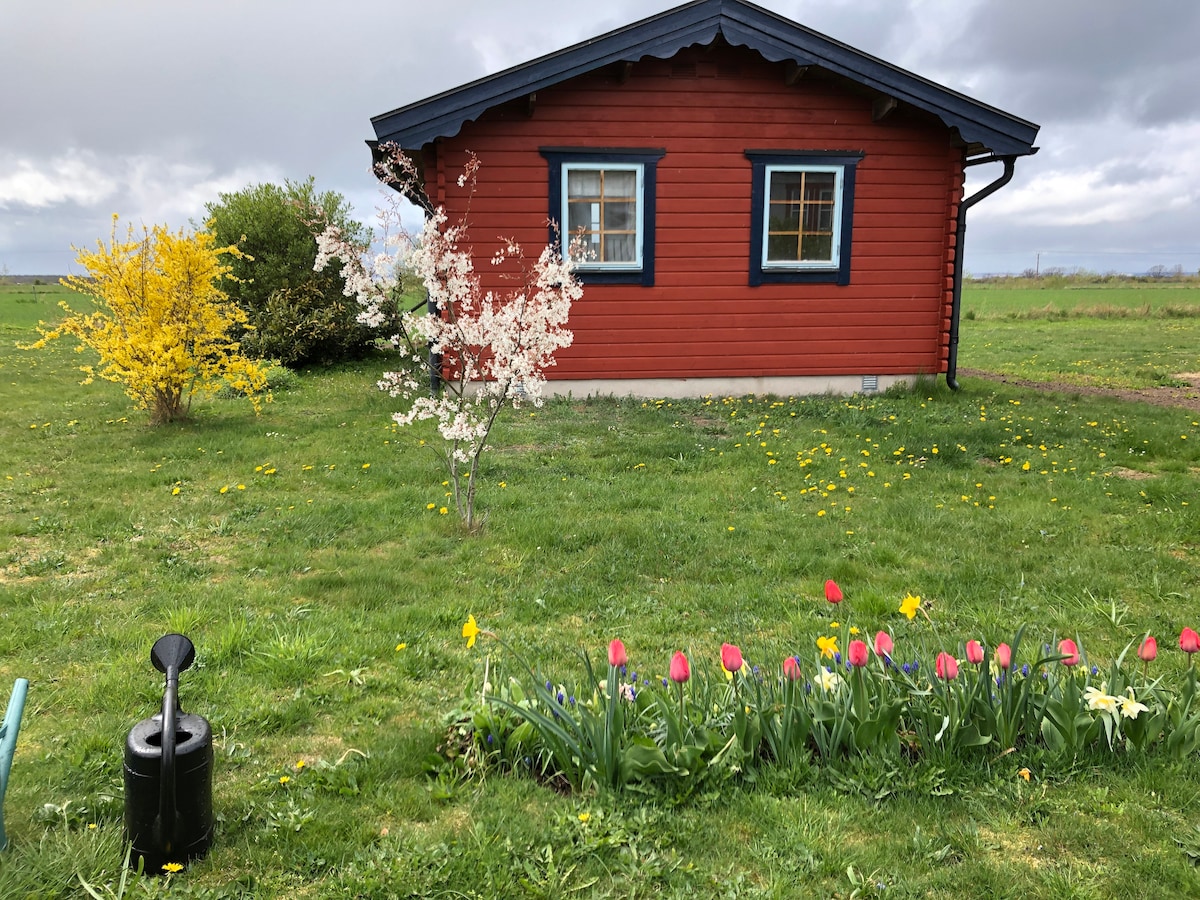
{"x":1181,"y":397}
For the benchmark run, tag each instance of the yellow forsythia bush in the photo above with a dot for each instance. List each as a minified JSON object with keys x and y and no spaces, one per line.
{"x":164,"y":329}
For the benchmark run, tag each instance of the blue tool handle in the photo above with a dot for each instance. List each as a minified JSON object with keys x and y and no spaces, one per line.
{"x":8,"y":743}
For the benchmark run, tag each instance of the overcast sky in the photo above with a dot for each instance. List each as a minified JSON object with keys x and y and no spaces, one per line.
{"x":150,"y":109}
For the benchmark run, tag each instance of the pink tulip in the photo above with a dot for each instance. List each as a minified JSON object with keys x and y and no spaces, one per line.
{"x":1148,"y":650}
{"x":680,"y":672}
{"x":883,"y":644}
{"x":974,"y":652}
{"x":833,"y":593}
{"x":946,"y":667}
{"x":1004,"y":656}
{"x":791,"y":669}
{"x":1070,"y":650}
{"x":616,"y":653}
{"x":731,"y":657}
{"x":856,"y":653}
{"x":1189,"y":641}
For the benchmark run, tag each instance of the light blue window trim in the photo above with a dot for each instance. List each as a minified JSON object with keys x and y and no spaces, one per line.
{"x":613,"y":240}
{"x":828,"y":208}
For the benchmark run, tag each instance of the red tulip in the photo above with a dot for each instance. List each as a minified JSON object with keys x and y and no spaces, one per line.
{"x":616,"y":653}
{"x":857,"y":654}
{"x":974,"y":652}
{"x":731,"y":657}
{"x":1004,"y":656}
{"x":1148,"y":650}
{"x":946,"y":666}
{"x":883,"y":644}
{"x":679,"y":668}
{"x":833,"y":593}
{"x":1189,"y":641}
{"x":1068,"y":648}
{"x":791,"y":669}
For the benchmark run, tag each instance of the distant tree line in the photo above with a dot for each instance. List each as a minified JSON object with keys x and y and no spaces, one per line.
{"x":1058,"y":276}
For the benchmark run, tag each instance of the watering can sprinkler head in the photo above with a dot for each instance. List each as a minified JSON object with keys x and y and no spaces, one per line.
{"x":172,"y":652}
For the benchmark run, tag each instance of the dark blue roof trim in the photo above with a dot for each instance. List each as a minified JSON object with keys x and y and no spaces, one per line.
{"x":982,"y":127}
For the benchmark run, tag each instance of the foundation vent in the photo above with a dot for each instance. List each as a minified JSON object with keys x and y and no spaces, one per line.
{"x":870,"y":383}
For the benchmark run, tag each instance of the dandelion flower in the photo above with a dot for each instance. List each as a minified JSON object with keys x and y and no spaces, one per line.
{"x":172,"y":867}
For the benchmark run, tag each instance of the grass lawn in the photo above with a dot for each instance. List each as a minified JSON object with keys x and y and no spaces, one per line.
{"x":1118,"y":336}
{"x":304,"y":553}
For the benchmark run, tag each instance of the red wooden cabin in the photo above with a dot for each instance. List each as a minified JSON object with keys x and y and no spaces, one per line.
{"x":769,"y":210}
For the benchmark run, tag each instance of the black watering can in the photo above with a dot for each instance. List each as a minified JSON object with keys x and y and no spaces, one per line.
{"x":168,"y":773}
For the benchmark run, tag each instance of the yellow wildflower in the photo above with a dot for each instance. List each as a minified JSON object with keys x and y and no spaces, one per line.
{"x":470,"y":631}
{"x":909,"y":606}
{"x":827,"y":645}
{"x":1024,"y":773}
{"x":172,"y":867}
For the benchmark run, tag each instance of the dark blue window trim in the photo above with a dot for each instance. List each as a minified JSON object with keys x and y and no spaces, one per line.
{"x":648,"y":159}
{"x":759,"y":160}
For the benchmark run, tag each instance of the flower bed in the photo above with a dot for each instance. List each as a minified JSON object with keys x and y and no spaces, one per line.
{"x":625,"y":728}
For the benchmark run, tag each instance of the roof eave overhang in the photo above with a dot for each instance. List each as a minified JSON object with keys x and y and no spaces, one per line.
{"x":777,"y":39}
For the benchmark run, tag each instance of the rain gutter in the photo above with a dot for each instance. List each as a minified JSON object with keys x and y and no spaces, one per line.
{"x":960,"y":236}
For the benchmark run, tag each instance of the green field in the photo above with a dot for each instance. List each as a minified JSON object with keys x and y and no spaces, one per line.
{"x":1115,"y":336}
{"x":304,"y":553}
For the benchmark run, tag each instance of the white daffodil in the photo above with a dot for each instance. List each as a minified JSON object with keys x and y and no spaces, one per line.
{"x":1130,"y":707}
{"x":828,"y":680}
{"x":1098,"y":700}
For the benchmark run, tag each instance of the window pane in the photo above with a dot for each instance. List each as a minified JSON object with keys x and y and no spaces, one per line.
{"x":781,"y":247}
{"x":817,"y":247}
{"x":620,"y":185}
{"x":620,"y":248}
{"x":580,"y":217}
{"x":785,"y":186}
{"x":818,"y":186}
{"x":784,"y":217}
{"x":583,"y":183}
{"x":620,"y":216}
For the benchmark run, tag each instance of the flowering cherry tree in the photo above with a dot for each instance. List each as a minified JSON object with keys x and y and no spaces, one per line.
{"x":483,"y":350}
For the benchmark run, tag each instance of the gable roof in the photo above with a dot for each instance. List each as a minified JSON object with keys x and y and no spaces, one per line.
{"x":983,"y":128}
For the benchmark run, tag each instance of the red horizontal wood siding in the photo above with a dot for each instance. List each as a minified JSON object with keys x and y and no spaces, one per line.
{"x":701,"y":318}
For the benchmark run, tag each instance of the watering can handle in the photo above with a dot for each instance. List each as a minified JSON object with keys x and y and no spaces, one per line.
{"x":166,"y":800}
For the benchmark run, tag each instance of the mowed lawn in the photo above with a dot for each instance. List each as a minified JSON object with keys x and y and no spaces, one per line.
{"x":306,"y":554}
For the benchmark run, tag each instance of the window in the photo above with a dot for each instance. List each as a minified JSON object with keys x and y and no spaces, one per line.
{"x":802,"y":212}
{"x":606,"y":198}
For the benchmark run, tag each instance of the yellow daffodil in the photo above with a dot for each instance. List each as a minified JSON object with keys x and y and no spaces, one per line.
{"x":909,"y":606}
{"x":827,"y":645}
{"x":470,"y":631}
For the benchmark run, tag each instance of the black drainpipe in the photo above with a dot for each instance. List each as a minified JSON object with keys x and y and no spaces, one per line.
{"x":960,"y":235}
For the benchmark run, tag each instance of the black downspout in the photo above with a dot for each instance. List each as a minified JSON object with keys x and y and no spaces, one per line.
{"x":960,"y":235}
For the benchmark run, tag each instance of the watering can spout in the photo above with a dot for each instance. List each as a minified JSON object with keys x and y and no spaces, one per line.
{"x":8,"y":743}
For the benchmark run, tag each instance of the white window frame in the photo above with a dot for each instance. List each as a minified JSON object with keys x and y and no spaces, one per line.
{"x":838,"y":194}
{"x":639,"y":237}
